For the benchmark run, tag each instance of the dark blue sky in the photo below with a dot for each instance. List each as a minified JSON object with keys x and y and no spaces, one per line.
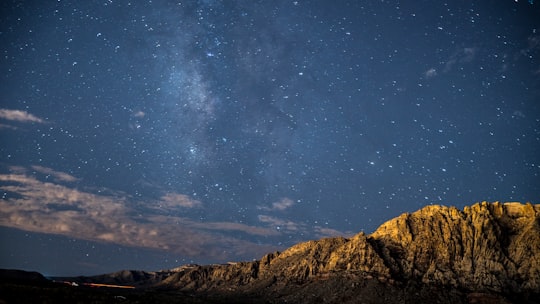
{"x":150,"y":134}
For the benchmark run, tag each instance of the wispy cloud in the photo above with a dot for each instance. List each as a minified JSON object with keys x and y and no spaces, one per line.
{"x":20,"y":116}
{"x":281,"y":205}
{"x":4,"y":126}
{"x":58,"y":176}
{"x":239,"y":227}
{"x":46,"y":206}
{"x":139,"y":114}
{"x":281,"y":224}
{"x":300,"y":229}
{"x":41,"y":199}
{"x":295,"y":230}
{"x":173,"y":200}
{"x":461,"y":56}
{"x":430,"y":73}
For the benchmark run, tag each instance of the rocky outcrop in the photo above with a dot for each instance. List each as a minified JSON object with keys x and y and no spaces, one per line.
{"x":486,"y":253}
{"x":485,"y":249}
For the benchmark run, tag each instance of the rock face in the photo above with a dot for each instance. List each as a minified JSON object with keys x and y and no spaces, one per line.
{"x":493,"y":247}
{"x":486,"y":252}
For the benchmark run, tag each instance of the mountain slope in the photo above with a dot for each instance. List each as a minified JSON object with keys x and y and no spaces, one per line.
{"x":486,"y":249}
{"x":485,"y":253}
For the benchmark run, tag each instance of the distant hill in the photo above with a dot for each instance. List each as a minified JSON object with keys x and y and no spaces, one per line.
{"x":486,"y":253}
{"x":22,"y":277}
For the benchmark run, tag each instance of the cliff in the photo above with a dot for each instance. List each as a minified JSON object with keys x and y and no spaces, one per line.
{"x":489,"y":252}
{"x":494,"y":247}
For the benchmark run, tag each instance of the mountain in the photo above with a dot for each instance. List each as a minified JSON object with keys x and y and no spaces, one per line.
{"x":485,"y":253}
{"x":22,"y":277}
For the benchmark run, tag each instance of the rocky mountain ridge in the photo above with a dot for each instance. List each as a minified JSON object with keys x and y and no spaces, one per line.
{"x":485,"y":253}
{"x":491,"y":247}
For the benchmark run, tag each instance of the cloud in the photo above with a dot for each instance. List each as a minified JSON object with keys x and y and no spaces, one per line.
{"x":280,"y":205}
{"x":18,"y":115}
{"x":58,"y":176}
{"x":461,"y":56}
{"x":430,"y":73}
{"x":172,"y":200}
{"x":44,"y":200}
{"x":283,"y":204}
{"x":228,"y":226}
{"x":4,"y":126}
{"x":282,"y":224}
{"x":292,"y":228}
{"x":289,"y":227}
{"x":139,"y":114}
{"x":468,"y":54}
{"x":46,"y":206}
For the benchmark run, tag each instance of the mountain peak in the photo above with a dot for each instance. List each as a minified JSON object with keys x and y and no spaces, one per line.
{"x":488,"y":246}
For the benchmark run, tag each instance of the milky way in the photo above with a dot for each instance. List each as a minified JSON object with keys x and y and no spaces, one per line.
{"x":209,"y":131}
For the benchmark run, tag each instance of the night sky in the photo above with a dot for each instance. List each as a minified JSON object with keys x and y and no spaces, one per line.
{"x":150,"y":134}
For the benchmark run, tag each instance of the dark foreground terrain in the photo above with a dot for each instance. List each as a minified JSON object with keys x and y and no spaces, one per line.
{"x":486,"y":253}
{"x":334,"y":288}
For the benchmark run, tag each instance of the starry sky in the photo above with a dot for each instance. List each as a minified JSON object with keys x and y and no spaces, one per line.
{"x":150,"y":134}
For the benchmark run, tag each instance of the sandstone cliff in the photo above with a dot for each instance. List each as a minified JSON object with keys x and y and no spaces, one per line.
{"x":488,"y":248}
{"x":486,"y":253}
{"x":493,"y":247}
